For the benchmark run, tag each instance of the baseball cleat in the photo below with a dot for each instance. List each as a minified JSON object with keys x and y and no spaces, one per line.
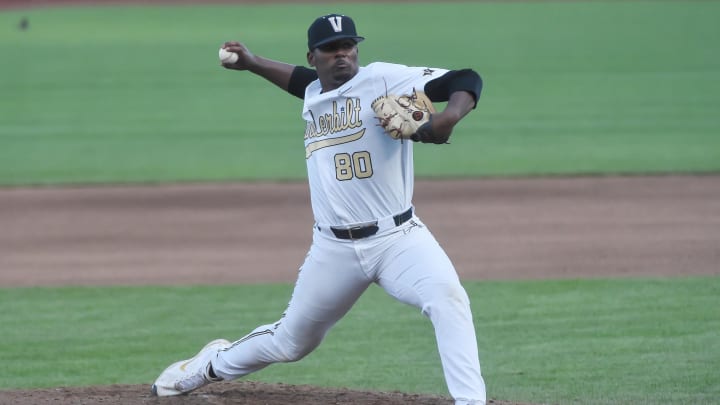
{"x":188,"y":375}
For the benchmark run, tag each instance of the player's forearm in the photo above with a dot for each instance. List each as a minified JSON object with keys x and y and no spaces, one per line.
{"x":459,"y":105}
{"x":274,"y":71}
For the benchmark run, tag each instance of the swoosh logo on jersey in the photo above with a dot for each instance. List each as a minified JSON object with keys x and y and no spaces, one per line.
{"x":313,"y":146}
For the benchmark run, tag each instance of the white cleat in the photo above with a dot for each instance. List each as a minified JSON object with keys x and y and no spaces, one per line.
{"x":188,"y":375}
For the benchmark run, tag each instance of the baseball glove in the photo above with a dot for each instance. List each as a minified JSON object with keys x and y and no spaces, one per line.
{"x":402,"y":116}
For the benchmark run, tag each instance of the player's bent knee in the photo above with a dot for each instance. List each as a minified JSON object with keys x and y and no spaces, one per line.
{"x":447,"y":298}
{"x":295,"y":354}
{"x":452,"y":293}
{"x":298,"y":350}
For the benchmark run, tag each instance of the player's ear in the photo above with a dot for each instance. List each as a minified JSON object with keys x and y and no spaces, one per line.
{"x":311,"y":58}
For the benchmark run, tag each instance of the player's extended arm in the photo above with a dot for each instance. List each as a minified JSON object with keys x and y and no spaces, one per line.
{"x":290,"y":78}
{"x":461,"y":89}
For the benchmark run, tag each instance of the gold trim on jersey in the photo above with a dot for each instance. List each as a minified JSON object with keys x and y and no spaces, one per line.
{"x":313,"y":146}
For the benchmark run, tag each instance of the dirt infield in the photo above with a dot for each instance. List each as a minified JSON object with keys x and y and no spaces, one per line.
{"x":247,"y":233}
{"x":237,"y":393}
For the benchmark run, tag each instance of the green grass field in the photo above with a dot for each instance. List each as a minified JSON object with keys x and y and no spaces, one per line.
{"x":135,"y":94}
{"x":631,"y":341}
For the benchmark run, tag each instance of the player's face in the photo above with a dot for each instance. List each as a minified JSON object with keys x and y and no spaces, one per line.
{"x":335,"y":63}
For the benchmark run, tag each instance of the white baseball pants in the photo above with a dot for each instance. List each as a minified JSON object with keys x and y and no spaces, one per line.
{"x":409,"y":264}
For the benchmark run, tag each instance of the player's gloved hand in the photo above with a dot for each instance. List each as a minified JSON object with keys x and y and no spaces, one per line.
{"x":440,"y":125}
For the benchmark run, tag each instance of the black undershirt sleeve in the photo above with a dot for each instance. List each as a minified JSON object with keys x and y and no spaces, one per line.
{"x":299,"y":80}
{"x":438,"y":89}
{"x":441,"y":88}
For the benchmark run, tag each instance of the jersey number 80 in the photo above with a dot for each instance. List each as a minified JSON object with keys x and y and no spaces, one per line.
{"x":358,"y":165}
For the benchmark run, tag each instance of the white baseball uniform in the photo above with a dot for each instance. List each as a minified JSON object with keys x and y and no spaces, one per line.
{"x":362,"y":179}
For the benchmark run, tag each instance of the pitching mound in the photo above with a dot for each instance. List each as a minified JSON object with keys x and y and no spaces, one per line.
{"x":238,"y":392}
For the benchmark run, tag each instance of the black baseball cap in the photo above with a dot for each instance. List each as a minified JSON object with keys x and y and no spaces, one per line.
{"x":329,"y":28}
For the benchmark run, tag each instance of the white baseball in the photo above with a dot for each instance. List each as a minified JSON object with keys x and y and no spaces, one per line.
{"x":227,"y":57}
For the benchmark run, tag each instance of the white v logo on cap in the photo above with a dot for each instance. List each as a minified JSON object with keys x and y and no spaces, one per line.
{"x":336,"y":23}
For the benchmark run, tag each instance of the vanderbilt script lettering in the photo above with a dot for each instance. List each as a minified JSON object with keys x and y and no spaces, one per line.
{"x":340,"y":119}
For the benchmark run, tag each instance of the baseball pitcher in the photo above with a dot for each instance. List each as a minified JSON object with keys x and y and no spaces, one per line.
{"x":360,"y":127}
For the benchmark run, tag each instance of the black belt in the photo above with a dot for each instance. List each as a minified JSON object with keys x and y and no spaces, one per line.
{"x":360,"y":232}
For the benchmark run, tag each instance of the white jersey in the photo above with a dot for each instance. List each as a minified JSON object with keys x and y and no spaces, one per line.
{"x":357,"y":173}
